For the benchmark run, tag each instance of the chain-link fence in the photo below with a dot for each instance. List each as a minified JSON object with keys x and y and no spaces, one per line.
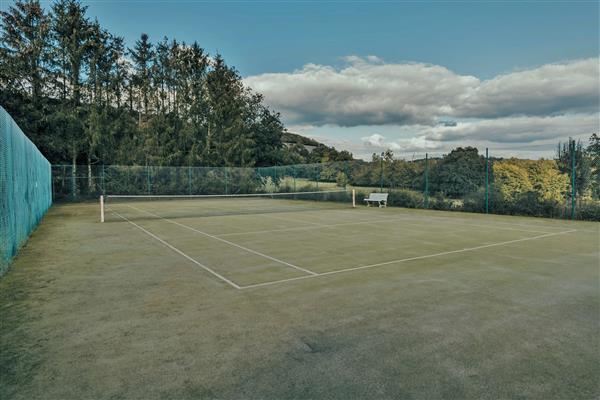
{"x":25,"y":188}
{"x":462,"y":180}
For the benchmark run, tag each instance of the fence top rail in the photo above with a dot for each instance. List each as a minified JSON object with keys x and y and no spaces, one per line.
{"x":313,"y":165}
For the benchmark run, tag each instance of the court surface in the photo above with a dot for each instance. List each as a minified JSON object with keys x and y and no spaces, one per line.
{"x":263,"y":298}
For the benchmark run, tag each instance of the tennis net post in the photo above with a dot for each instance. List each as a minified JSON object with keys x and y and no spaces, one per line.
{"x":101,"y":208}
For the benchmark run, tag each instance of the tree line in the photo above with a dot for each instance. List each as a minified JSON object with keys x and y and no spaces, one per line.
{"x":515,"y":186}
{"x":83,"y":97}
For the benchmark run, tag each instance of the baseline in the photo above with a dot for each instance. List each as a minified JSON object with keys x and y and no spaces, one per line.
{"x":360,"y":267}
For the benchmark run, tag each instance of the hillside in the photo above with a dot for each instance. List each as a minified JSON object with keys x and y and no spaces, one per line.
{"x":293,"y":138}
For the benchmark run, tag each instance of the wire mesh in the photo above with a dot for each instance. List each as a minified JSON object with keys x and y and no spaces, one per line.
{"x":463,"y":180}
{"x":25,"y":188}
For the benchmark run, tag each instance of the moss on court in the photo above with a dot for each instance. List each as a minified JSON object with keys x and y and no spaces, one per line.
{"x":104,"y":311}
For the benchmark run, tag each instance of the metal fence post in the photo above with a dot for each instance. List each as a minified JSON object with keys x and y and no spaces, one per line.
{"x":102,"y":180}
{"x":381,"y":175}
{"x":148,"y":178}
{"x":426,"y":180}
{"x":189,"y":179}
{"x":73,"y":181}
{"x":487,"y":169}
{"x":347,"y":180}
{"x":573,"y":175}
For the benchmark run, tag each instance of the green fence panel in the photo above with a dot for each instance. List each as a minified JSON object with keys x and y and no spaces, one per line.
{"x":25,"y":188}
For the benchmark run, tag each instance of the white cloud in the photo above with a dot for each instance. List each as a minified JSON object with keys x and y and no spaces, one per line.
{"x":516,"y":129}
{"x":418,"y":143}
{"x":369,"y":92}
{"x":364,"y":93}
{"x":434,"y":108}
{"x":549,"y":89}
{"x":375,"y":139}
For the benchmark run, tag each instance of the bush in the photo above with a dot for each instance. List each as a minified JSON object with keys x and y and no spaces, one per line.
{"x":341,"y":179}
{"x":406,"y":198}
{"x":439,"y":202}
{"x":589,"y":211}
{"x":474,"y":202}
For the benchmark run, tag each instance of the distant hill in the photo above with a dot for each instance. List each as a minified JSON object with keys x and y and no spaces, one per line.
{"x":294,"y":138}
{"x":303,"y":150}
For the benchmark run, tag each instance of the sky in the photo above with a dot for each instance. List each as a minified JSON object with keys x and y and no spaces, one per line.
{"x":412,"y":76}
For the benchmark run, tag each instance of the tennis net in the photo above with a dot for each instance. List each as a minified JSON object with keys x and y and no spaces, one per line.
{"x":136,"y":207}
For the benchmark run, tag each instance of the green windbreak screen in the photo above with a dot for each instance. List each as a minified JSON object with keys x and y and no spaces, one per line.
{"x":25,"y":188}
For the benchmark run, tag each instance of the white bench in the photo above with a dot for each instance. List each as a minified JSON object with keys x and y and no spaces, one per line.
{"x":377,"y":198}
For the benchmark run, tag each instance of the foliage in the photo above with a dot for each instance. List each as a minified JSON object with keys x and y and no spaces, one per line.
{"x":341,"y":179}
{"x":511,"y":179}
{"x":593,"y":152}
{"x":574,"y":151}
{"x":460,"y":172}
{"x":406,"y":198}
{"x":514,"y":177}
{"x":589,"y":210}
{"x":84,"y":98}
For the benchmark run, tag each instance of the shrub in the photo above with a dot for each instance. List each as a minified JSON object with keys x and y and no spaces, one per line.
{"x":439,"y":202}
{"x":341,"y":179}
{"x":589,"y":211}
{"x":406,"y":198}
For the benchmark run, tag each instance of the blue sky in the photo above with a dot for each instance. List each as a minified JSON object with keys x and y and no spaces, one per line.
{"x":269,"y":36}
{"x":412,"y":76}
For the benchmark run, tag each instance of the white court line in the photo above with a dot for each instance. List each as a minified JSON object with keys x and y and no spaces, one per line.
{"x":228,"y":242}
{"x":451,"y":220}
{"x":302,"y":228}
{"x":175,"y":249}
{"x":410,"y":218}
{"x":494,"y":222}
{"x":377,"y":221}
{"x":464,"y":222}
{"x":292,"y":219}
{"x":339,"y":271}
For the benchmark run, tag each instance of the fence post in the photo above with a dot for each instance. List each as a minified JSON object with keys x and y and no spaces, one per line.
{"x":426,"y":180}
{"x":573,"y":174}
{"x":381,"y":175}
{"x":148,"y":178}
{"x":347,"y":175}
{"x":487,"y":181}
{"x":102,"y":180}
{"x":73,"y":181}
{"x":189,"y":179}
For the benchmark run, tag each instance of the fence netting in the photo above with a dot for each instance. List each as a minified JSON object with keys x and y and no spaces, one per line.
{"x":25,"y":188}
{"x":466,"y":181}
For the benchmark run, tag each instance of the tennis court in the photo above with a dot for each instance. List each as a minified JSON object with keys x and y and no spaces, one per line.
{"x":291,"y":297}
{"x":255,"y":242}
